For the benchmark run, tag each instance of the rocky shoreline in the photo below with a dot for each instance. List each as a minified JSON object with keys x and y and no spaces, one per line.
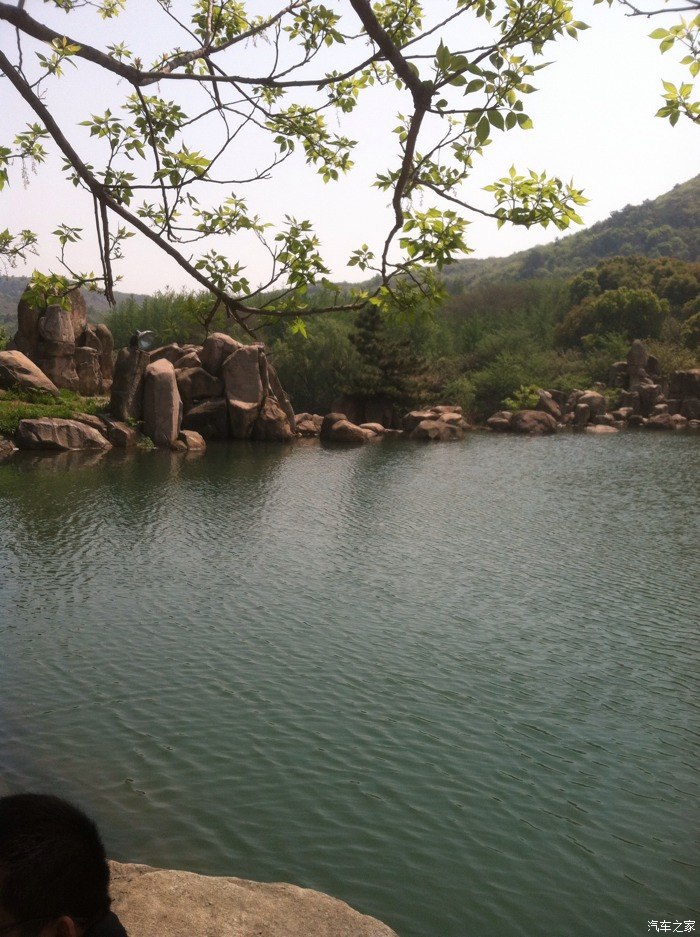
{"x":180,"y":397}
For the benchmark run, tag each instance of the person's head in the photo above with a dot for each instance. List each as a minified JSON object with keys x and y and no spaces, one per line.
{"x":54,"y":877}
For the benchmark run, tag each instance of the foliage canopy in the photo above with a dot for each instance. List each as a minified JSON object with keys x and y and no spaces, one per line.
{"x":285,"y":81}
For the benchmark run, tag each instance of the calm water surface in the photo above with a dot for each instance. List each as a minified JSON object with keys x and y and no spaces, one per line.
{"x":453,"y":685}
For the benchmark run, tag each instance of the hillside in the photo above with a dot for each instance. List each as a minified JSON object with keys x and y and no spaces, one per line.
{"x":668,"y":226}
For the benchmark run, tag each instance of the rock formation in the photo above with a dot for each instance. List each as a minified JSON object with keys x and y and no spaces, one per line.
{"x":644,"y":402}
{"x":155,"y":902}
{"x":18,"y":372}
{"x":68,"y":350}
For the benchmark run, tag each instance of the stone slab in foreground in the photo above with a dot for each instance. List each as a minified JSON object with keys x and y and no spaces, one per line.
{"x":156,"y":902}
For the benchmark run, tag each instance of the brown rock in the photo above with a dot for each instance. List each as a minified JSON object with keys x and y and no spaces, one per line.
{"x":308,"y":424}
{"x":346,"y":432}
{"x":328,"y":422}
{"x":189,"y":360}
{"x":604,"y":419}
{"x":499,"y":423}
{"x":412,"y":419}
{"x":121,"y":435}
{"x":90,"y":419}
{"x":162,"y":407}
{"x":127,"y":387}
{"x":623,"y":413}
{"x":106,"y":353}
{"x":194,"y":442}
{"x":630,"y":399}
{"x":156,"y":902}
{"x":445,"y":408}
{"x":663,"y":421}
{"x":617,"y":375}
{"x":244,"y":389}
{"x":534,"y":422}
{"x":272,"y":424}
{"x":17,"y":372}
{"x":209,"y":419}
{"x":437,"y":431}
{"x":649,"y":396}
{"x":26,"y":339}
{"x":376,"y":428}
{"x":582,"y":414}
{"x":594,"y":401}
{"x":171,"y":353}
{"x":636,"y":420}
{"x":78,"y":311}
{"x":56,"y":325}
{"x":694,"y":425}
{"x":196,"y":384}
{"x":601,"y":429}
{"x":215,"y":350}
{"x":54,"y":433}
{"x":59,"y":368}
{"x":546,"y":403}
{"x":87,"y":365}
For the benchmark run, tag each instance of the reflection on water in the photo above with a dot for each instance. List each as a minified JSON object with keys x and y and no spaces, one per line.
{"x":453,"y":685}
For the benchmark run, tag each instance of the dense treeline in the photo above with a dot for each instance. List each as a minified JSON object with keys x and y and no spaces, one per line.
{"x":478,"y":348}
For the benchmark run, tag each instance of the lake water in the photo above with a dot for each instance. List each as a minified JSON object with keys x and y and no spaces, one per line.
{"x":454,"y":685}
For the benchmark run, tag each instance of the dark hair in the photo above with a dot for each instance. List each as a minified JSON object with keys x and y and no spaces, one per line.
{"x":52,"y":861}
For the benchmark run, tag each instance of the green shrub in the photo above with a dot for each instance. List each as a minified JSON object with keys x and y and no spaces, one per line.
{"x":526,"y":397}
{"x":690,"y":333}
{"x":4,"y":337}
{"x":460,"y":392}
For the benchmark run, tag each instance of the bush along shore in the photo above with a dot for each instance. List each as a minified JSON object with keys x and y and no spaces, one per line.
{"x":61,"y":388}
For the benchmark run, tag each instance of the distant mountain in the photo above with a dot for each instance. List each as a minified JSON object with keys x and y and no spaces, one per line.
{"x":668,"y":226}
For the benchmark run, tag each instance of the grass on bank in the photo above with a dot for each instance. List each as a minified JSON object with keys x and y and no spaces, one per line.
{"x":16,"y":405}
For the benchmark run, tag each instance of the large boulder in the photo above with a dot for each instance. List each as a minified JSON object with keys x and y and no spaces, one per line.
{"x":690,"y":408}
{"x":171,"y":353}
{"x":162,"y":407}
{"x":500,"y":422}
{"x":215,"y":350}
{"x":87,"y":366}
{"x":209,"y":419}
{"x":547,"y":404}
{"x":436,"y":431}
{"x":244,"y":389}
{"x":272,"y":424}
{"x":106,"y":354}
{"x":534,"y":422}
{"x":17,"y":372}
{"x":308,"y":424}
{"x":336,"y":428}
{"x":54,"y":433}
{"x":649,"y":396}
{"x":153,"y":902}
{"x":594,"y":401}
{"x":56,"y":327}
{"x":126,"y":402}
{"x":196,"y":384}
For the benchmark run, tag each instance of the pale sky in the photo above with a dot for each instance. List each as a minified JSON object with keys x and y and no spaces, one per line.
{"x":594,"y":123}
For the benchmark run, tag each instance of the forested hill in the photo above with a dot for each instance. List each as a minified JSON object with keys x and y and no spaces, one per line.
{"x":668,"y":226}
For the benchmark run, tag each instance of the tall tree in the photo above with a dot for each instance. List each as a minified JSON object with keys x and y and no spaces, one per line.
{"x":275,"y":78}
